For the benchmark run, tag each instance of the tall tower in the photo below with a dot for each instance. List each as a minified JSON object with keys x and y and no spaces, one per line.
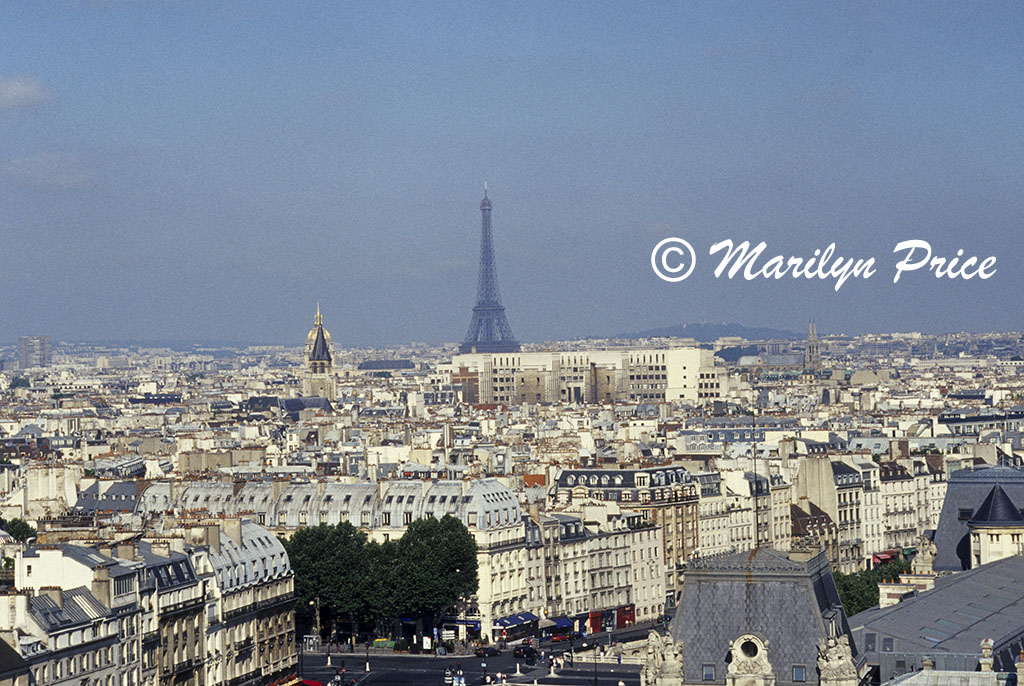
{"x":318,"y":379}
{"x":812,"y":354}
{"x":489,"y":331}
{"x":34,"y":351}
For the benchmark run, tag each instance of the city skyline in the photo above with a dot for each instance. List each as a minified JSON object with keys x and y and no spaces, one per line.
{"x":185,"y":185}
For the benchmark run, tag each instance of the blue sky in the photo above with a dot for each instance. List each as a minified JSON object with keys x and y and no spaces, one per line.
{"x":209,"y":171}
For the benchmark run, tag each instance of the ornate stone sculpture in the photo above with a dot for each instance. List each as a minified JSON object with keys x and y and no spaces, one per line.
{"x":664,"y":665}
{"x":749,"y":657}
{"x":835,"y":660}
{"x":925,"y":556}
{"x":672,"y":658}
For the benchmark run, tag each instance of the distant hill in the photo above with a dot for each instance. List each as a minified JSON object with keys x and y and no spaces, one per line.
{"x":708,"y":333}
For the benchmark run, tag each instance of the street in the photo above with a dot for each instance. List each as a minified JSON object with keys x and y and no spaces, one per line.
{"x":391,"y":668}
{"x":415,"y":669}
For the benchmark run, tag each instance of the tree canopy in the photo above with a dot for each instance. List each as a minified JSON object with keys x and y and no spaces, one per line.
{"x":18,"y":528}
{"x":859,"y":591}
{"x":436,"y":565}
{"x":429,"y":569}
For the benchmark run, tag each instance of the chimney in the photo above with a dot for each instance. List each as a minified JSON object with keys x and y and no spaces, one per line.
{"x":213,"y":537}
{"x":233,"y":528}
{"x":101,"y":586}
{"x":54,"y":593}
{"x":161,"y":548}
{"x":126,"y":550}
{"x":927,"y":664}
{"x":1020,"y":668}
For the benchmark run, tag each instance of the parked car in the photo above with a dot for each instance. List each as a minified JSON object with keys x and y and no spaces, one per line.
{"x":526,"y":652}
{"x":487,"y":651}
{"x":586,"y":644}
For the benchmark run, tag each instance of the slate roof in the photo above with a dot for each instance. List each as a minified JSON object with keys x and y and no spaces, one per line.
{"x":79,"y":607}
{"x":967,"y":490}
{"x":623,"y":478}
{"x":169,"y":573}
{"x":790,"y":603}
{"x":258,"y":559}
{"x":321,"y":351}
{"x":292,"y":406}
{"x":997,"y":509}
{"x":482,"y":503}
{"x":108,"y":495}
{"x":952,"y":618}
{"x":11,"y":663}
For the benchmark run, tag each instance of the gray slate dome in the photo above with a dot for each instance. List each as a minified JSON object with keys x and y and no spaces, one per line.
{"x":997,"y":510}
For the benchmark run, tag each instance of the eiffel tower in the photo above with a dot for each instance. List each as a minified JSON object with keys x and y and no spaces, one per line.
{"x":489,"y":331}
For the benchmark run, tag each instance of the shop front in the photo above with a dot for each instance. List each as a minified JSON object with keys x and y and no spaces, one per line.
{"x":625,"y":616}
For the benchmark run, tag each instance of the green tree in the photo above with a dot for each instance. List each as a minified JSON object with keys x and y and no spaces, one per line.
{"x":436,"y":567}
{"x":381,"y":589}
{"x":429,"y":569}
{"x":19,"y":382}
{"x":19,"y":529}
{"x":329,"y":564}
{"x":859,"y":591}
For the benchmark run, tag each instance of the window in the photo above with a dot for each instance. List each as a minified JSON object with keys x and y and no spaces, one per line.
{"x":965,"y":513}
{"x":708,"y":672}
{"x":799,"y":673}
{"x":385,"y":518}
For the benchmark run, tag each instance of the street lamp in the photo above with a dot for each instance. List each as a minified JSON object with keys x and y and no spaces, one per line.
{"x":595,"y":666}
{"x":316,"y":624}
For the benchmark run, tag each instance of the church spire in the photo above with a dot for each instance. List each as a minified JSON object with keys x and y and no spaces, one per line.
{"x":318,"y":320}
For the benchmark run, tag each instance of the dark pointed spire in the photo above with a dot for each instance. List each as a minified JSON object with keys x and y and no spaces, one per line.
{"x":321,"y":351}
{"x":997,"y":509}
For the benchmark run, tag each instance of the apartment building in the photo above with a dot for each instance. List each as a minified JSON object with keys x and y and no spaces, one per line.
{"x":595,"y":376}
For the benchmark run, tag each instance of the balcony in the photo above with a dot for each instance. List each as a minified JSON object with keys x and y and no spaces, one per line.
{"x":282,"y":602}
{"x":183,"y":607}
{"x":182,"y":667}
{"x":252,"y":676}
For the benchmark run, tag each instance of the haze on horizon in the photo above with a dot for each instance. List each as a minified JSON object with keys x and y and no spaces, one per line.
{"x":209,"y":171}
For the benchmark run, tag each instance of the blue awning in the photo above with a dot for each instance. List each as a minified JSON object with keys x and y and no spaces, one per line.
{"x":515,"y":620}
{"x":562,"y":622}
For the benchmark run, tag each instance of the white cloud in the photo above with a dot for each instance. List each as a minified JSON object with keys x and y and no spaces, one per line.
{"x":22,"y":92}
{"x":53,"y":171}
